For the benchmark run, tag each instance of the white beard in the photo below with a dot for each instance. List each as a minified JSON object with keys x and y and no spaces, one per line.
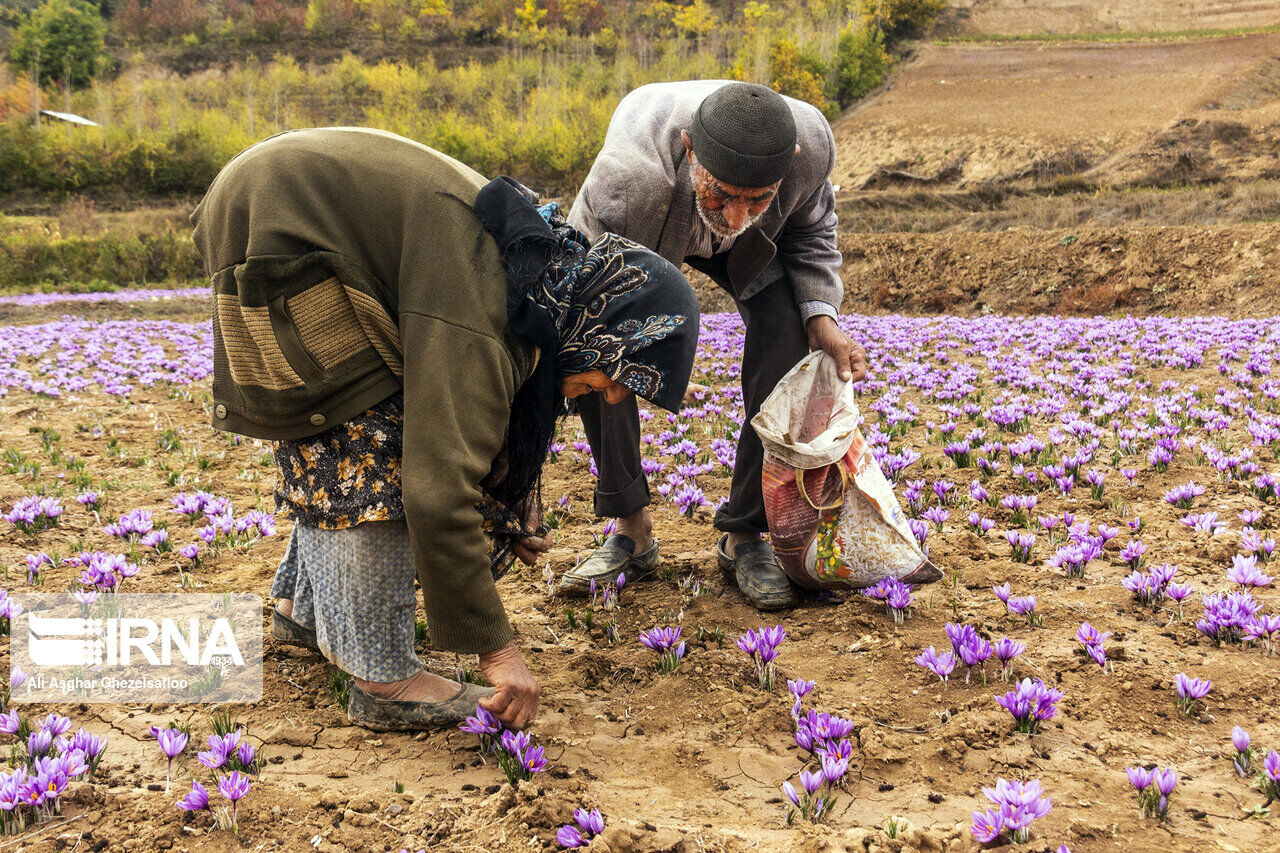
{"x":714,"y":219}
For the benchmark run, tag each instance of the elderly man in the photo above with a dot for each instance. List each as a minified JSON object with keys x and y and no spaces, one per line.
{"x":732,"y":179}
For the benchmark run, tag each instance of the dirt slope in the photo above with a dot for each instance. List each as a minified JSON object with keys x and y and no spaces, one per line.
{"x":1149,"y":113}
{"x":1232,"y":270}
{"x":1023,"y":17}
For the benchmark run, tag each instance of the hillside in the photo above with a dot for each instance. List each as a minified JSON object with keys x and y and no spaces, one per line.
{"x":1029,"y":17}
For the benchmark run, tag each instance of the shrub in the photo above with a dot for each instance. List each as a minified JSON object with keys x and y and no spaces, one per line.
{"x":861,"y":63}
{"x":36,"y":262}
{"x":797,"y":74}
{"x":902,"y":18}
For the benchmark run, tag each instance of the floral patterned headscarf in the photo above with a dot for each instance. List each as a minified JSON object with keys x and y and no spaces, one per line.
{"x":608,"y":305}
{"x":614,"y":306}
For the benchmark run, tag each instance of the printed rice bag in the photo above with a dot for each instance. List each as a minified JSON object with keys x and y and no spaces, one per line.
{"x":834,"y":521}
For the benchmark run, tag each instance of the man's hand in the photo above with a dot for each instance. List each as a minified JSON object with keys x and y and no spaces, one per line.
{"x":825,"y":335}
{"x":516,"y":693}
{"x":533,"y":545}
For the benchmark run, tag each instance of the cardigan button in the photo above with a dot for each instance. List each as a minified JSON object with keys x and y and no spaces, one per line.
{"x":220,"y":411}
{"x":317,"y":419}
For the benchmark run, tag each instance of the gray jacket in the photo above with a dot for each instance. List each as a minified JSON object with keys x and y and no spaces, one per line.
{"x":640,"y":187}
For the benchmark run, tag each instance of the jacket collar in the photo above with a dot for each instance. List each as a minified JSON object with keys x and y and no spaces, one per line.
{"x":673,"y":241}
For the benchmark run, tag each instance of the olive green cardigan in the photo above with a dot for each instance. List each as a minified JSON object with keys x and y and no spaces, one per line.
{"x":347,"y":264}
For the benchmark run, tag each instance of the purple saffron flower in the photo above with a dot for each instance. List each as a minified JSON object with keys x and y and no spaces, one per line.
{"x":833,"y":769}
{"x":799,"y":687}
{"x":591,"y":822}
{"x":570,"y":837}
{"x":197,"y":799}
{"x":1087,"y":635}
{"x":10,"y":721}
{"x":1190,"y":690}
{"x":941,"y":665}
{"x":1005,"y":650}
{"x":1030,"y":703}
{"x":234,"y":787}
{"x":483,"y":723}
{"x":987,"y":826}
{"x":1140,"y":777}
{"x":1244,"y":571}
{"x":56,"y":724}
{"x":1271,"y":765}
{"x":1024,"y":606}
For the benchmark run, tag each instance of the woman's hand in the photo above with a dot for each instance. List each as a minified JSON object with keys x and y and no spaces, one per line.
{"x":516,"y":694}
{"x":532,"y":546}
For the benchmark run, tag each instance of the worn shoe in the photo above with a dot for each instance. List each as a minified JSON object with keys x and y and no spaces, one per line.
{"x":614,"y":557}
{"x":388,"y":715}
{"x":759,"y":575}
{"x":294,"y":633}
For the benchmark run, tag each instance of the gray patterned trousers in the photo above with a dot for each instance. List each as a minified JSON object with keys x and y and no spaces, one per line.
{"x":355,"y":588}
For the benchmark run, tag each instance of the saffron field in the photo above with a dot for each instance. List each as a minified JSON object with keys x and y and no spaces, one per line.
{"x":1096,"y":670}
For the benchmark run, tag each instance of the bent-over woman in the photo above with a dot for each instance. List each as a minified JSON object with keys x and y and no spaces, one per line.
{"x":406,"y":332}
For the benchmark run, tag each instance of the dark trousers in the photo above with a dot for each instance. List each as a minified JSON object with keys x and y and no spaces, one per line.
{"x":775,"y":341}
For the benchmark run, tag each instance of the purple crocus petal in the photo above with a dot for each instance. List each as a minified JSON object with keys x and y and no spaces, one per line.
{"x":172,"y":741}
{"x":987,"y":826}
{"x":570,"y":838}
{"x":1240,"y":739}
{"x":1140,"y":777}
{"x":234,"y":786}
{"x":1271,"y":766}
{"x":197,"y":799}
{"x":591,"y":822}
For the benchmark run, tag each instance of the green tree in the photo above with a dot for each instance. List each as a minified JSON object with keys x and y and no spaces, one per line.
{"x":861,"y":63}
{"x":62,"y":37}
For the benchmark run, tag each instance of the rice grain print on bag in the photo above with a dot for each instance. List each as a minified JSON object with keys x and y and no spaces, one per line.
{"x":834,"y":521}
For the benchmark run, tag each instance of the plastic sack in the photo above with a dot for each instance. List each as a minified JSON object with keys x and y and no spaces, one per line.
{"x":834,"y":521}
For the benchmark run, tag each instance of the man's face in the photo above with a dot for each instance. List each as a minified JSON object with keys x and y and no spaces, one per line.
{"x":726,"y":209}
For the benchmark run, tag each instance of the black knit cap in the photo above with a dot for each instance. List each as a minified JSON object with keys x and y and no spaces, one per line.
{"x":744,"y":135}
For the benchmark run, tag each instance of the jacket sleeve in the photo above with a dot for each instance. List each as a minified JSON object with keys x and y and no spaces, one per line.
{"x":807,"y":242}
{"x":458,"y":384}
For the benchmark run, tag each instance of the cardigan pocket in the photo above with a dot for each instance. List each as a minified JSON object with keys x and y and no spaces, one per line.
{"x":329,"y":322}
{"x":290,"y":342}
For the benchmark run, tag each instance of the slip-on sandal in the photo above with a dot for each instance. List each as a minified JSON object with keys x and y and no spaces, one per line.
{"x":294,"y":633}
{"x":389,"y":715}
{"x":759,"y":575}
{"x":614,"y":557}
